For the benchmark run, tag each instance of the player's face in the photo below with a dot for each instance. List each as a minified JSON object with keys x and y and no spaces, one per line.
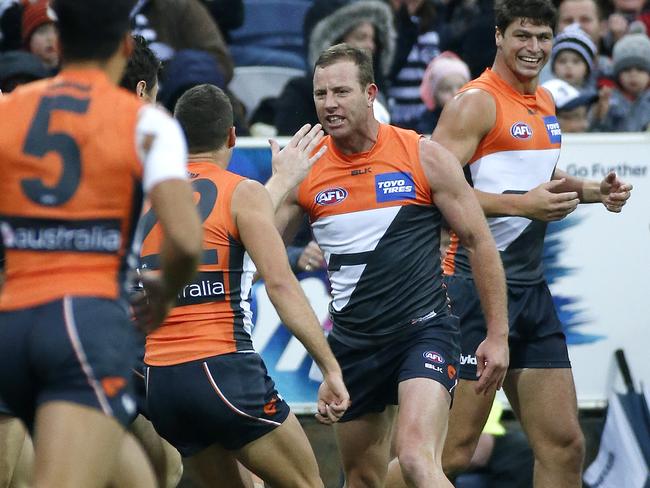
{"x":525,"y":48}
{"x":584,"y":12}
{"x":342,"y":104}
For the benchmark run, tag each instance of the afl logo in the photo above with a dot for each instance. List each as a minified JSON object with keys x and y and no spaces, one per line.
{"x":433,"y":356}
{"x":521,"y":130}
{"x":331,"y":196}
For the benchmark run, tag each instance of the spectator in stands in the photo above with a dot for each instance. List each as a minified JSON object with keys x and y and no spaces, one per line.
{"x":228,"y":14}
{"x":173,"y":25}
{"x":444,"y":76}
{"x":571,"y":105}
{"x":10,"y":17}
{"x":18,"y":68}
{"x":626,"y":108}
{"x":573,"y":57}
{"x":418,"y":44}
{"x":625,"y":14}
{"x":39,"y":32}
{"x":365,"y":24}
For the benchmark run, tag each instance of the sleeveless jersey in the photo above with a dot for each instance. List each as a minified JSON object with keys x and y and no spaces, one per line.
{"x":212,"y":315}
{"x":373,"y":216}
{"x":70,"y":188}
{"x":518,"y":154}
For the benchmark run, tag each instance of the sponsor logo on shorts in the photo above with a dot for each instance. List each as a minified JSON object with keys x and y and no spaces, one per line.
{"x":553,"y":129}
{"x":433,"y":367}
{"x":112,"y":385}
{"x":451,"y":371}
{"x":270,"y":407}
{"x":394,"y":186}
{"x":129,"y":404}
{"x":468,"y":359}
{"x":433,"y":356}
{"x":331,"y":196}
{"x":521,"y":130}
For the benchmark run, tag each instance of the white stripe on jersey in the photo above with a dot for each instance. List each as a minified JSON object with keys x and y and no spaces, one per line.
{"x":350,"y":233}
{"x":512,"y":171}
{"x":248,"y":270}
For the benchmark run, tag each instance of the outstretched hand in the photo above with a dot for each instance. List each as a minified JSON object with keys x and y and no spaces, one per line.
{"x":492,"y":358}
{"x":333,"y":399}
{"x":614,"y":193}
{"x":295,"y":159}
{"x":542,"y":203}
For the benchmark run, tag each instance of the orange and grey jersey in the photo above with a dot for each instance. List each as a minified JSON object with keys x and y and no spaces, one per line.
{"x":373,"y":216}
{"x":212,"y":315}
{"x":518,"y":154}
{"x":76,"y":153}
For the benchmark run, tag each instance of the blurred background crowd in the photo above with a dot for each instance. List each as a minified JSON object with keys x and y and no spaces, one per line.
{"x":262,"y":52}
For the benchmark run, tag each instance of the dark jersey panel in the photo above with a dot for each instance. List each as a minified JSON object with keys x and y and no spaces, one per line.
{"x":401,"y":283}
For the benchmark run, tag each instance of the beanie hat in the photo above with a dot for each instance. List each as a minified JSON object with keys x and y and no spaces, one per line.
{"x":445,"y":64}
{"x":631,"y":51}
{"x":575,"y":39}
{"x":35,"y":14}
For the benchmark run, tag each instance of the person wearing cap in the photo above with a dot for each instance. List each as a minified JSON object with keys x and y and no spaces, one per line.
{"x":571,"y":105}
{"x":626,"y":108}
{"x":39,"y":33}
{"x":444,"y":76}
{"x":573,"y":56}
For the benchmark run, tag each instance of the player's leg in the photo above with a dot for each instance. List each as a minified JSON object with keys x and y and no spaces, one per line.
{"x":23,"y":473}
{"x":364,"y":446}
{"x":545,"y":402}
{"x":164,"y":458}
{"x":421,"y":430}
{"x":466,"y":421}
{"x":76,"y":446}
{"x":217,"y":467}
{"x":133,"y":466}
{"x":283,"y":457}
{"x":12,"y":435}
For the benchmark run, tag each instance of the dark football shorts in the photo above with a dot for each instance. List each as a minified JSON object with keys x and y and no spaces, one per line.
{"x":372,"y":374}
{"x":76,"y":349}
{"x":228,"y":400}
{"x":4,"y":409}
{"x":536,"y":338}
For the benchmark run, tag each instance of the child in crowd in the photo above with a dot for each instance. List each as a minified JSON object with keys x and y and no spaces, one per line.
{"x":573,"y":57}
{"x":444,"y":76}
{"x":571,"y":105}
{"x":39,"y":33}
{"x":626,"y":108}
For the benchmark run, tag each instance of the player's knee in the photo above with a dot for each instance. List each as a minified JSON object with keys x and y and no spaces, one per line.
{"x":417,"y":462}
{"x":565,"y":449}
{"x":363,"y":477}
{"x":456,"y":461}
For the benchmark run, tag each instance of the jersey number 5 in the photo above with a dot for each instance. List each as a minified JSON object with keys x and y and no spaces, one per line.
{"x":40,"y":141}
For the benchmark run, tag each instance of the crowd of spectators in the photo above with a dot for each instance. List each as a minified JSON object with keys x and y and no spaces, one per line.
{"x":601,"y":50}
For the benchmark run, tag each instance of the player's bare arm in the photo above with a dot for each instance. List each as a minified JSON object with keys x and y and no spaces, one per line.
{"x":464,"y":122}
{"x":612,"y":192}
{"x":253,"y":214}
{"x":460,"y":207}
{"x":292,"y":163}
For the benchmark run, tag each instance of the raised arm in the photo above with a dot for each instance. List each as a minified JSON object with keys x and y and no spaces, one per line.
{"x":253,"y":214}
{"x":459,"y":206}
{"x":464,"y":122}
